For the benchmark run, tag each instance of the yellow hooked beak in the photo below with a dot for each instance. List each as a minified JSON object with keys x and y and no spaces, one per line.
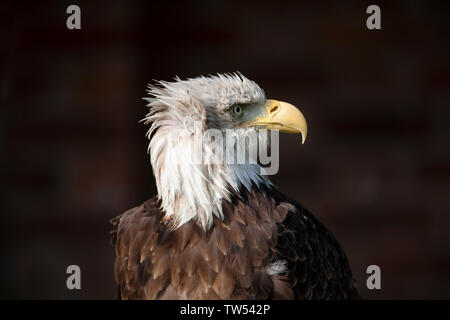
{"x":282,"y":116}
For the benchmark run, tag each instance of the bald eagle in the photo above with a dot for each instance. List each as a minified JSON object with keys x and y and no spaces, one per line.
{"x":219,"y":230}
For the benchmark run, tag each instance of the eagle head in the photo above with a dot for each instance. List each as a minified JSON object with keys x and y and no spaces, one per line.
{"x":183,"y":111}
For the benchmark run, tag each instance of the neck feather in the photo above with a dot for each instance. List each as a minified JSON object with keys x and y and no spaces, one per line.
{"x":195,"y":191}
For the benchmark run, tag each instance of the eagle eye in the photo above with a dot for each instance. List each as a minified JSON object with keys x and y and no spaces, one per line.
{"x":237,"y":110}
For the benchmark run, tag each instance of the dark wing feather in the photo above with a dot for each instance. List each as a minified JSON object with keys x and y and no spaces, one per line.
{"x":317,"y":265}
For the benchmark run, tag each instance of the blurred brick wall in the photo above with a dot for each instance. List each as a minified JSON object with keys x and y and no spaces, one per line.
{"x":375,"y":168}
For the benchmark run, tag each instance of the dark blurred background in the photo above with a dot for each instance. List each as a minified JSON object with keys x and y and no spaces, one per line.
{"x":375,"y":168}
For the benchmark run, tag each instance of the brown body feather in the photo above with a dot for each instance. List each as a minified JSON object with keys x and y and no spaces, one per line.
{"x":230,"y":260}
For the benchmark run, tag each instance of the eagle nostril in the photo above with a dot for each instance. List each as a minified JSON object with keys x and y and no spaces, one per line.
{"x":274,"y":109}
